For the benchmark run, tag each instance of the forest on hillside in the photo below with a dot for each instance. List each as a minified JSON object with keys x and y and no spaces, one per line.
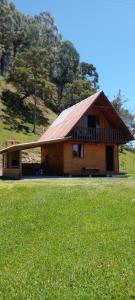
{"x":40,"y":63}
{"x":34,"y":55}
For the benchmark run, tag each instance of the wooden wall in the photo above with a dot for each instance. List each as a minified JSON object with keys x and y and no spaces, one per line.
{"x":94,"y":158}
{"x":95,"y":111}
{"x":52,"y":158}
{"x":58,"y":159}
{"x":116,"y":158}
{"x":10,"y":170}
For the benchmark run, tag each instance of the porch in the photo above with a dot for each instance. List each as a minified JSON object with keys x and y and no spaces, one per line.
{"x":13,"y":166}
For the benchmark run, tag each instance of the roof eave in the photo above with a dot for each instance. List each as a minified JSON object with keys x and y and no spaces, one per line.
{"x":31,"y":145}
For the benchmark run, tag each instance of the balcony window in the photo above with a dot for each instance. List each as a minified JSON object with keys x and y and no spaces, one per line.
{"x":91,"y":121}
{"x":78,"y":150}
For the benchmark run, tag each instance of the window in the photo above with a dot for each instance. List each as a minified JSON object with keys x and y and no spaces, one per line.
{"x":78,"y":150}
{"x":91,"y":121}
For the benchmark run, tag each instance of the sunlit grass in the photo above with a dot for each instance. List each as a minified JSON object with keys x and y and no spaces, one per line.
{"x":67,"y":239}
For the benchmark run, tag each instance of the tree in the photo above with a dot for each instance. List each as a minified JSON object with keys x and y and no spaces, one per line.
{"x":75,"y":91}
{"x":75,"y":80}
{"x":6,"y":32}
{"x":12,"y":34}
{"x":19,"y":32}
{"x":88,"y":71}
{"x":34,"y":56}
{"x":31,"y":77}
{"x":66,"y":66}
{"x":49,"y":36}
{"x":127,"y":116}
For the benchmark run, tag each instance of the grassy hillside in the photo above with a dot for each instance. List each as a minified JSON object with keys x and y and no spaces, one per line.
{"x":17,"y":123}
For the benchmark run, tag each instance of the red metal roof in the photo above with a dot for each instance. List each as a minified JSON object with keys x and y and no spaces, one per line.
{"x":68,"y":118}
{"x":62,"y":126}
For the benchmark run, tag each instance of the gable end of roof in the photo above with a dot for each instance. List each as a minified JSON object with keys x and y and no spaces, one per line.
{"x":68,"y":118}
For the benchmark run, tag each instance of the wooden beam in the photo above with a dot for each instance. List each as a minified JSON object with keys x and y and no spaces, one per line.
{"x":102,"y":107}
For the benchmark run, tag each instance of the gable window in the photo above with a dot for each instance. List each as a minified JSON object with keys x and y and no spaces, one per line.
{"x":91,"y":121}
{"x":78,"y":150}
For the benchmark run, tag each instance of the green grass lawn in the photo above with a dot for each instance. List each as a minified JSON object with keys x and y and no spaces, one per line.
{"x":67,"y":239}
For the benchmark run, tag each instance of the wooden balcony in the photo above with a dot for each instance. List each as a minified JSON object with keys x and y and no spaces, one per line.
{"x":105,"y":135}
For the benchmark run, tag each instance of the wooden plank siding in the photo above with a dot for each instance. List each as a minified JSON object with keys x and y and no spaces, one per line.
{"x":95,"y":111}
{"x":94,"y":153}
{"x":58,"y":159}
{"x":94,"y":159}
{"x":52,"y":158}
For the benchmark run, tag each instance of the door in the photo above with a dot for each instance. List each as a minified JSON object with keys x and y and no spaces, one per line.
{"x":109,"y":158}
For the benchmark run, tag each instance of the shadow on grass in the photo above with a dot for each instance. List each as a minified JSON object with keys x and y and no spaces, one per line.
{"x":16,"y":113}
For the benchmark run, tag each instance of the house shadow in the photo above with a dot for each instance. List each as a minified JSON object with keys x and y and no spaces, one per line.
{"x":17,"y":114}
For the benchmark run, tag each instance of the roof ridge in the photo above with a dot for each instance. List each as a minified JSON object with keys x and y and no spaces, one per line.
{"x":93,"y":95}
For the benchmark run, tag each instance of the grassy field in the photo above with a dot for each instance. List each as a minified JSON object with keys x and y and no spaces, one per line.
{"x":67,"y":239}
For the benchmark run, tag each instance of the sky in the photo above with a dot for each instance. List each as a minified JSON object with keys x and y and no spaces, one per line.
{"x":103,"y":32}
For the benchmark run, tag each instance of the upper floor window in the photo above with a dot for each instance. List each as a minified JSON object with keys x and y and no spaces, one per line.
{"x":91,"y":121}
{"x":78,"y":150}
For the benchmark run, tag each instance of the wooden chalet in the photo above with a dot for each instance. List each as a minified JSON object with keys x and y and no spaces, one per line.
{"x":83,"y":140}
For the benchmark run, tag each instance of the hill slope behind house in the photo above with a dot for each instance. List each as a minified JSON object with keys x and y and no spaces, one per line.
{"x":16,"y":118}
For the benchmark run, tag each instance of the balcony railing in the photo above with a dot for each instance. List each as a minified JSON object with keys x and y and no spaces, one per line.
{"x":98,"y":135}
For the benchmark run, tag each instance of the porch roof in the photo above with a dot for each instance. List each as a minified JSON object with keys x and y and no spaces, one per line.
{"x":31,"y":145}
